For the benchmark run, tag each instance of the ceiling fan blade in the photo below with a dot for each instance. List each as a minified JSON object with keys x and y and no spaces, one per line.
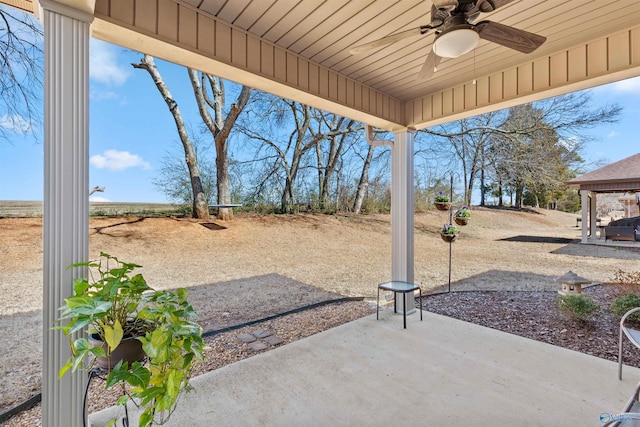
{"x":389,"y":39}
{"x":447,"y":5}
{"x":520,"y":40}
{"x":490,"y":5}
{"x":429,"y":66}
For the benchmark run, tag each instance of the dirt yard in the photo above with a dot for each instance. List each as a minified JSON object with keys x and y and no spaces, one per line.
{"x":256,"y":266}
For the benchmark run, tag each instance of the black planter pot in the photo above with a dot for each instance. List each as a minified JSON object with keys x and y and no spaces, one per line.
{"x":129,"y":350}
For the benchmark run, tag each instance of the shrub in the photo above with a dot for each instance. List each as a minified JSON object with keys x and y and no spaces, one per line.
{"x":621,"y":305}
{"x":578,"y":306}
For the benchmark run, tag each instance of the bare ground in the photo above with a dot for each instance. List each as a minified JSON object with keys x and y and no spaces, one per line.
{"x":256,"y":266}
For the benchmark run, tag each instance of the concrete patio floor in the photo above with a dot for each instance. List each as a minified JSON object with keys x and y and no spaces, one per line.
{"x":438,"y":372}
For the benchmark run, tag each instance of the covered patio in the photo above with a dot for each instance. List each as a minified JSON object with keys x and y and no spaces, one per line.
{"x":300,"y":50}
{"x":438,"y":372}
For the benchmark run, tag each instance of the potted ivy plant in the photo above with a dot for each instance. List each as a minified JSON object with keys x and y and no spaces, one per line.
{"x":118,"y":307}
{"x":449,"y":232}
{"x":442,"y":202}
{"x":462,"y":216}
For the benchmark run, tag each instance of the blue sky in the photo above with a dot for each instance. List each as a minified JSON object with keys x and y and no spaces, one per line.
{"x":132,"y":130}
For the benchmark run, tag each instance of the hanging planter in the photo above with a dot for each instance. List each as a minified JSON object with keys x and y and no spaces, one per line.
{"x":449,"y":232}
{"x":442,"y":202}
{"x":461,"y":221}
{"x":448,"y":237}
{"x":443,"y":206}
{"x":462,"y":216}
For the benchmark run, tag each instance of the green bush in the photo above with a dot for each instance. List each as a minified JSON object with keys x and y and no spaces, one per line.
{"x":579,"y":306}
{"x":621,"y":305}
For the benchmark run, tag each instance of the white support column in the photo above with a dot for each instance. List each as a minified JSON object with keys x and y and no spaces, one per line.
{"x":593,"y":223}
{"x":584,"y":200}
{"x":402,"y":207}
{"x":66,"y":200}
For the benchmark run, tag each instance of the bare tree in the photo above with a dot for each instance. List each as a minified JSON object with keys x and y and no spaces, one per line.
{"x":22,"y":70}
{"x":468,"y":146}
{"x":200,"y":206}
{"x":287,"y":136}
{"x":336,"y":131}
{"x":219,"y":126}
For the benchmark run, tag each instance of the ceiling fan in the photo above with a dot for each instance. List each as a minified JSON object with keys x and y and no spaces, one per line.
{"x":456,"y":33}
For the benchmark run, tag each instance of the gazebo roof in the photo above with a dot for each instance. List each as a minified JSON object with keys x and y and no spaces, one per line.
{"x":621,"y":176}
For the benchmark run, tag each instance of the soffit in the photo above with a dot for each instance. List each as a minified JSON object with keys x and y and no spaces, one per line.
{"x":24,"y":5}
{"x":323,"y":31}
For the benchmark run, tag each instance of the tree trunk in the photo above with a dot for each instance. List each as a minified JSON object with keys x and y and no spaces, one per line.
{"x":287,"y":201}
{"x":222,"y":181}
{"x":200,"y":206}
{"x":483,"y":189}
{"x":363,"y":184}
{"x":518,"y":204}
{"x":469,"y":189}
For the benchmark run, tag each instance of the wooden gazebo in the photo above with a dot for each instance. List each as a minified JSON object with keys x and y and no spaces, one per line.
{"x":620,"y":177}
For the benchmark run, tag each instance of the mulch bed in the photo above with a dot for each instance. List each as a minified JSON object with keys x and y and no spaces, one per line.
{"x":535,"y":315}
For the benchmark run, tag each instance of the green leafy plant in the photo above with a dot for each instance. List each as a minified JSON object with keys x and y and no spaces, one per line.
{"x":441,"y":198}
{"x":120,"y":304}
{"x":621,"y":305}
{"x":449,"y":229}
{"x":579,"y":306}
{"x":109,"y":306}
{"x":463,"y":212}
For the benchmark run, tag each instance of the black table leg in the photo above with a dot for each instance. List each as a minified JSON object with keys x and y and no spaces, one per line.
{"x":404,"y":309}
{"x":395,"y":302}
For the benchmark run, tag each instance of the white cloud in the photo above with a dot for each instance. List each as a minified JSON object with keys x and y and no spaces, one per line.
{"x":101,"y":95}
{"x":103,"y":64}
{"x":118,"y":160}
{"x":627,"y":86}
{"x":98,"y":199}
{"x":14,"y":123}
{"x":612,"y":134}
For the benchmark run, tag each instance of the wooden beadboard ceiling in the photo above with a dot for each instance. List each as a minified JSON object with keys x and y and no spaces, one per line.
{"x":589,"y":42}
{"x":24,"y":5}
{"x":324,"y":30}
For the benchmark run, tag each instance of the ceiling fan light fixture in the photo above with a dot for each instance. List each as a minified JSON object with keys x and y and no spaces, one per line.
{"x":452,"y":44}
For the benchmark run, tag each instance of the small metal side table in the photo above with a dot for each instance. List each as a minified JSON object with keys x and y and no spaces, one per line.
{"x":398,"y":287}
